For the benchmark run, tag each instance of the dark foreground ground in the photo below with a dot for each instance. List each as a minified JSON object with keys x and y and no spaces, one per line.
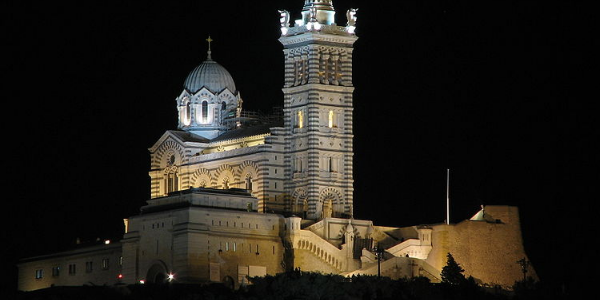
{"x":296,"y":285}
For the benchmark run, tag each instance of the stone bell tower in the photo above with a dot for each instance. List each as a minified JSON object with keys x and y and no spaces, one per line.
{"x":318,"y":111}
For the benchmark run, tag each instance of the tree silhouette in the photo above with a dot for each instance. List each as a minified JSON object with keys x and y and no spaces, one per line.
{"x":452,"y":273}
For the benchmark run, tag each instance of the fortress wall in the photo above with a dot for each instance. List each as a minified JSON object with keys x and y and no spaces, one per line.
{"x":487,"y":251}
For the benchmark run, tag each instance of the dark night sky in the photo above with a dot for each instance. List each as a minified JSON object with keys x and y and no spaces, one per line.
{"x":489,"y":89}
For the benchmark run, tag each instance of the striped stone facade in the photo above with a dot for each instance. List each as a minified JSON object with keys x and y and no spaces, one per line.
{"x":251,"y":162}
{"x":318,"y":123}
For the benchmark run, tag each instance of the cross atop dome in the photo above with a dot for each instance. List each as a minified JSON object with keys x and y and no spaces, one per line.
{"x":209,"y":40}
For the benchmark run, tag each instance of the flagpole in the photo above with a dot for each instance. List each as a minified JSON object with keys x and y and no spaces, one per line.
{"x":448,"y":196}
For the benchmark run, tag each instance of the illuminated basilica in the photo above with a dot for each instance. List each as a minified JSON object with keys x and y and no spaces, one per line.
{"x":236,"y":194}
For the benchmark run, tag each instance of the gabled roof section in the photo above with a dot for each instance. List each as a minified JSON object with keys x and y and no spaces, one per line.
{"x":482,"y":215}
{"x":182,"y":137}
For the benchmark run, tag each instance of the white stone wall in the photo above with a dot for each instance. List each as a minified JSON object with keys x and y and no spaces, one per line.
{"x":195,"y":238}
{"x":45,"y":271}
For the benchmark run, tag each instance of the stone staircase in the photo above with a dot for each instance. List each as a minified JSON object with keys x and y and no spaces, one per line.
{"x":326,"y":252}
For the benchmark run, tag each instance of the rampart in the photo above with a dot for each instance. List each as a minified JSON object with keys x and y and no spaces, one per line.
{"x":488,"y":249}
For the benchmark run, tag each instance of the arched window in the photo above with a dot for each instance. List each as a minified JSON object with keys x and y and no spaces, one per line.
{"x":171,"y":182}
{"x":249,"y":183}
{"x":300,"y":119}
{"x":205,"y":112}
{"x":185,"y":112}
{"x":331,"y":119}
{"x":223,"y":105}
{"x":188,"y":114}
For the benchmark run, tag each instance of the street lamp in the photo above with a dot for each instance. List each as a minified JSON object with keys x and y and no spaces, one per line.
{"x":379,"y":253}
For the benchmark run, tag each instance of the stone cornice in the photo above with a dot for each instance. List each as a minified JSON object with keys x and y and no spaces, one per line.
{"x":311,"y":87}
{"x":327,"y":34}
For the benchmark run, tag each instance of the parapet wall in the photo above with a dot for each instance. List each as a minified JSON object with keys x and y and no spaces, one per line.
{"x":488,"y":251}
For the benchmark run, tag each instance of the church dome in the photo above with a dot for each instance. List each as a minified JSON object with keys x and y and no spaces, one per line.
{"x":210,"y":75}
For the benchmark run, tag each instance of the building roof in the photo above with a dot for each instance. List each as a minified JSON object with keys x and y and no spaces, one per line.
{"x":210,"y":75}
{"x":188,"y":136}
{"x":245,"y":132}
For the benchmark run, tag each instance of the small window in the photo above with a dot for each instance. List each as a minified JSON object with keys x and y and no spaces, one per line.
{"x":89,"y":267}
{"x":39,"y":274}
{"x":300,"y":119}
{"x":72,"y":269}
{"x":105,"y":264}
{"x":55,"y":271}
{"x":331,"y":119}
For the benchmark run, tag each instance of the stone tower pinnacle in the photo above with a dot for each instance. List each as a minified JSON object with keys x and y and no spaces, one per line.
{"x":319,"y":11}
